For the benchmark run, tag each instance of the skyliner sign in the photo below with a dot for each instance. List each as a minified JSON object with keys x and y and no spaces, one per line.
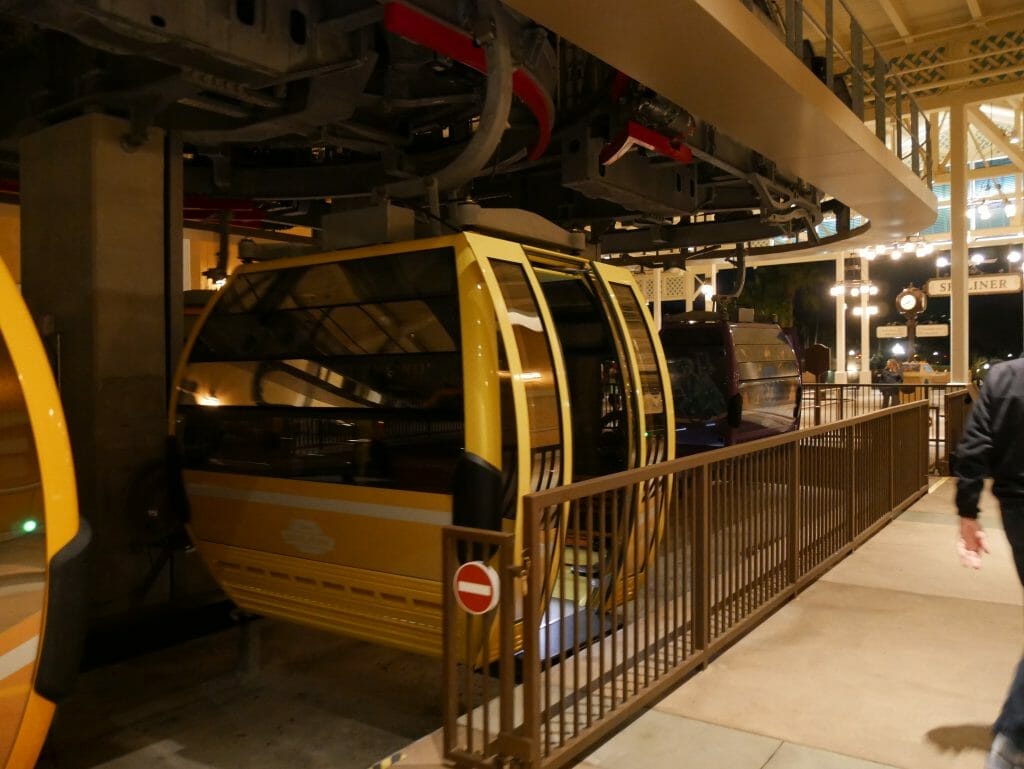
{"x":997,"y":283}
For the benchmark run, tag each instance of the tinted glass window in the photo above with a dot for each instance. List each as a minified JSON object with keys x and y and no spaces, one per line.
{"x":650,"y":378}
{"x":347,"y":372}
{"x":763,"y":352}
{"x":22,"y":551}
{"x":699,"y":381}
{"x":599,"y":426}
{"x":538,"y":375}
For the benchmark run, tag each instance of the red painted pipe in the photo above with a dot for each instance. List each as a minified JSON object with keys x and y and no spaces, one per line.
{"x":421,"y":28}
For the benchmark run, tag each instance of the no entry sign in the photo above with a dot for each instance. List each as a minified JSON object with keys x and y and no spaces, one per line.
{"x":476,"y":587}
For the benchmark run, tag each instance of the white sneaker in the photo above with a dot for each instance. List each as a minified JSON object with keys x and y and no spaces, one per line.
{"x":1004,"y":754}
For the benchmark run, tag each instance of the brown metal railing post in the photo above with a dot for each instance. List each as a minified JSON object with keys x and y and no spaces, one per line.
{"x":793,"y":515}
{"x":857,"y":73}
{"x":915,"y":145}
{"x":849,"y":479}
{"x":898,"y":107}
{"x":928,"y":152}
{"x":449,"y":691}
{"x":531,"y":632}
{"x":830,"y":44}
{"x":506,"y":654}
{"x":701,"y":563}
{"x":879,"y":88}
{"x":891,"y":449}
{"x":794,"y":25}
{"x":924,"y":433}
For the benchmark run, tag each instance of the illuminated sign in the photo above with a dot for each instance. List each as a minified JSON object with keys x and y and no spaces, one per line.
{"x":923,"y":329}
{"x":933,"y":329}
{"x":1001,"y":283}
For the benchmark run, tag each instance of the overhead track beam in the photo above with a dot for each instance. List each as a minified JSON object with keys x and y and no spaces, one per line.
{"x":733,"y":70}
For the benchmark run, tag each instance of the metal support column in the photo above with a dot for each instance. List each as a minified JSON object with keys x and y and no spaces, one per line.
{"x":840,"y":351}
{"x":959,"y":351}
{"x":865,"y":323}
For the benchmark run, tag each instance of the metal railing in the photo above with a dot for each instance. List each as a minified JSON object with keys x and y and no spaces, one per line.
{"x":858,"y":73}
{"x":737,"y":533}
{"x":957,"y":408}
{"x":825,"y":403}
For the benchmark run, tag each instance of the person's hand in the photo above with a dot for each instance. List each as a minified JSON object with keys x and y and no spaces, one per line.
{"x":972,"y":543}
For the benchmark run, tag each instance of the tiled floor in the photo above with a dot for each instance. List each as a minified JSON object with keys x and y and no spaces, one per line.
{"x":898,"y":657}
{"x":671,"y":742}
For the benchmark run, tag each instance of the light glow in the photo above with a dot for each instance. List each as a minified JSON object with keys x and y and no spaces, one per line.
{"x":871,"y":310}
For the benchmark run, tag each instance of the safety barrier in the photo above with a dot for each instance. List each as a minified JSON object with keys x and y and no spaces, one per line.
{"x":825,"y":403}
{"x":957,"y":406}
{"x":859,"y":74}
{"x":720,"y":541}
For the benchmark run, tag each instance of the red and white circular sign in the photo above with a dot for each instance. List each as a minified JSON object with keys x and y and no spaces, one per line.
{"x":476,"y":587}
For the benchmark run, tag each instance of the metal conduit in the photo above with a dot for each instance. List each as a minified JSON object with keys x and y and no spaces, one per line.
{"x":493,"y":117}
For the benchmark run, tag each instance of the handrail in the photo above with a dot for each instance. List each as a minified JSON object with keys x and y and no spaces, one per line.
{"x":900,"y":124}
{"x":737,"y":533}
{"x":826,"y":403}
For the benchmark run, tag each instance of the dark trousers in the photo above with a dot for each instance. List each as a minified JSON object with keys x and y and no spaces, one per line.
{"x":1011,"y":720}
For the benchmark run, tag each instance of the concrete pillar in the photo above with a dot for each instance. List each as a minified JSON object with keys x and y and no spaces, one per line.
{"x":95,"y":260}
{"x":840,"y":351}
{"x":865,"y":322}
{"x":10,"y":239}
{"x":959,"y":316}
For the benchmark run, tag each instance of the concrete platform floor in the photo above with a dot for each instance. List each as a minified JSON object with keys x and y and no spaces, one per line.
{"x":898,"y":657}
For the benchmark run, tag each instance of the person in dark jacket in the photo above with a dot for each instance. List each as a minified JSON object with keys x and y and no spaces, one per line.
{"x":891,"y":376}
{"x":993,"y":445}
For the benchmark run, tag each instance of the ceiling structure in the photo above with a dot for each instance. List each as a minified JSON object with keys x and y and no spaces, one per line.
{"x":954,"y":51}
{"x":292,"y":110}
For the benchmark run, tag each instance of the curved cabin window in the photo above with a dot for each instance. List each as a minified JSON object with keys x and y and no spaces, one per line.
{"x":768,"y":376}
{"x":22,"y":552}
{"x":538,"y":377}
{"x":698,"y":368}
{"x":346,"y":372}
{"x":650,"y":377}
{"x":593,"y":372}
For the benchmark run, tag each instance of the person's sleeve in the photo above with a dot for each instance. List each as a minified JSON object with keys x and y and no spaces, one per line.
{"x":972,"y":455}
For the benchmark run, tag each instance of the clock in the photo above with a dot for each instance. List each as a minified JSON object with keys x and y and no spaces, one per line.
{"x":911,"y":301}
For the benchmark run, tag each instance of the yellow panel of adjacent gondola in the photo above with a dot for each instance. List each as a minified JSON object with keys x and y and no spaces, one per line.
{"x":38,"y":517}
